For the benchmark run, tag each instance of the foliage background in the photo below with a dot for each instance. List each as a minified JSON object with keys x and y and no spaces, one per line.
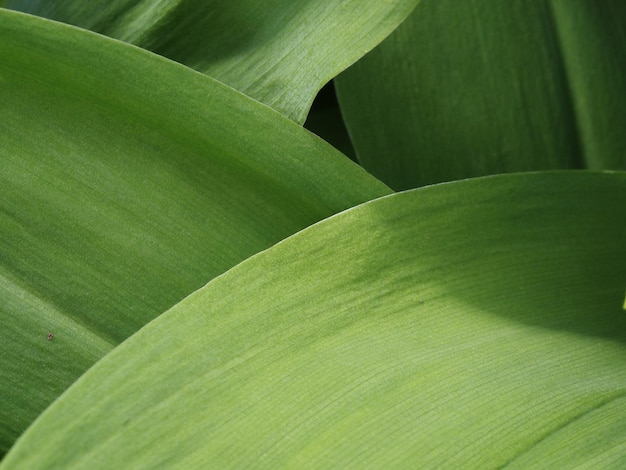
{"x":474,"y":323}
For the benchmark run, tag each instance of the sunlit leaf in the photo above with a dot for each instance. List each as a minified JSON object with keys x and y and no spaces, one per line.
{"x":127,"y":182}
{"x":466,"y":325}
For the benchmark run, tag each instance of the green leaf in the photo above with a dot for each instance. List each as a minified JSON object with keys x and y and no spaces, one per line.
{"x":127,"y":182}
{"x":593,"y":35}
{"x":279,"y":52}
{"x":466,"y":325}
{"x":479,"y":87}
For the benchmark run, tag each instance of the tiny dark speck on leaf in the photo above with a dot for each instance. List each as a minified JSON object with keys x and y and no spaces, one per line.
{"x":50,"y":336}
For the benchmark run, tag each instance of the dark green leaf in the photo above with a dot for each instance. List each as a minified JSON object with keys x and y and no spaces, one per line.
{"x":593,"y":39}
{"x":478,"y":87}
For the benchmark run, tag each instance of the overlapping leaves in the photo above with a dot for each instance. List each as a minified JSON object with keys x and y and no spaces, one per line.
{"x":479,"y":87}
{"x":473,"y":324}
{"x":279,"y":52}
{"x":127,"y":182}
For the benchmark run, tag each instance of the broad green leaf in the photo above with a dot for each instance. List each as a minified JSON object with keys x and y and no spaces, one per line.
{"x":279,"y":52}
{"x":593,"y":39}
{"x":127,"y":182}
{"x":478,"y":87}
{"x":473,"y":324}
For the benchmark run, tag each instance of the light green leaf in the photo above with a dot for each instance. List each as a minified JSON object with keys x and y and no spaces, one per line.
{"x":478,"y":87}
{"x":279,"y":52}
{"x":127,"y":182}
{"x":466,"y":325}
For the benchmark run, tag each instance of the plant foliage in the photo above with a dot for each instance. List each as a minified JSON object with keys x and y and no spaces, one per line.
{"x":191,"y":279}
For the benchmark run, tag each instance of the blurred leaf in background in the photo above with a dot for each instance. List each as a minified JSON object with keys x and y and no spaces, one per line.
{"x":478,"y":87}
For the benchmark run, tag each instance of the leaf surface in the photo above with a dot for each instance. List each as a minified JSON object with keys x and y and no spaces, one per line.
{"x":127,"y":182}
{"x":464,"y":89}
{"x":592,"y":37}
{"x":473,"y":324}
{"x":279,"y":52}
